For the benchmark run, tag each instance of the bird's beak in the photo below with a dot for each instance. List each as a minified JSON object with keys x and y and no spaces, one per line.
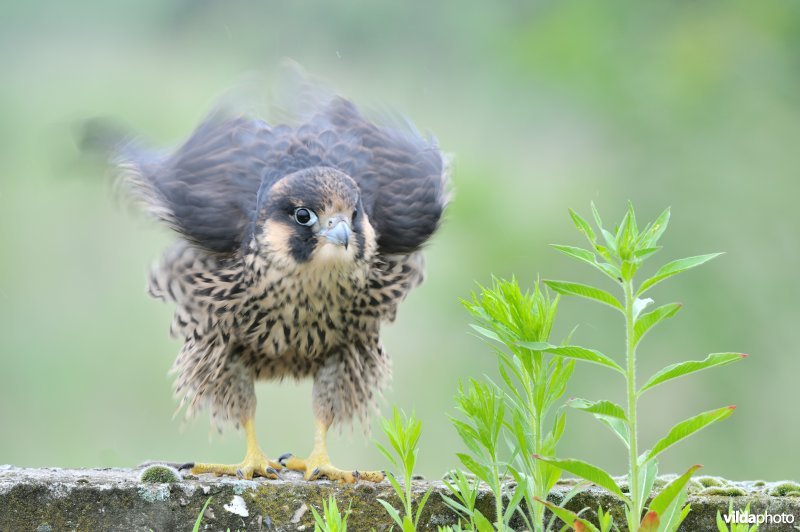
{"x":337,"y":231}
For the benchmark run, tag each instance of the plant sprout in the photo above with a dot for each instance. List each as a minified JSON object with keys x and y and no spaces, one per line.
{"x":403,"y":434}
{"x":331,"y":519}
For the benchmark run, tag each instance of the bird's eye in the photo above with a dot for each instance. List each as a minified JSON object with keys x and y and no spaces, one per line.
{"x":305,"y":216}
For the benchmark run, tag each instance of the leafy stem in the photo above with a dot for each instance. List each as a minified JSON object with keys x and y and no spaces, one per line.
{"x":630,"y":375}
{"x":619,"y":256}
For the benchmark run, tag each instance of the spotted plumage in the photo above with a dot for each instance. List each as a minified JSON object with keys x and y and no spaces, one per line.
{"x":295,"y":242}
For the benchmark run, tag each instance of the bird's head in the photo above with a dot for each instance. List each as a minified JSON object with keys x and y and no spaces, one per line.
{"x":315,"y":216}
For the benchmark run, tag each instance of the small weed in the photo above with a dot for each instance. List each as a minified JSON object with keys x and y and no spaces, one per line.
{"x":331,"y":519}
{"x":199,"y":520}
{"x":403,"y":433}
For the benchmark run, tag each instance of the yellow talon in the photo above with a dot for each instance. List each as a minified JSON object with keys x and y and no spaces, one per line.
{"x":318,"y":464}
{"x":255,"y":461}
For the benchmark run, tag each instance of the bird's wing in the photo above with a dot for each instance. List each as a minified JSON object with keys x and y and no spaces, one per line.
{"x":207,"y":189}
{"x":402,"y":175}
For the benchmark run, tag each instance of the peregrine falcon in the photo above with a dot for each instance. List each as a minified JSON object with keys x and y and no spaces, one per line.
{"x":294,"y":243}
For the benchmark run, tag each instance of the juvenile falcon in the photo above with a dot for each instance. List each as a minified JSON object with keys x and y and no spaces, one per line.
{"x":295,"y":242}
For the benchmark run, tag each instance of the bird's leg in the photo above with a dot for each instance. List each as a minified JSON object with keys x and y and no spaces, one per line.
{"x":318,"y":464}
{"x":255,"y":461}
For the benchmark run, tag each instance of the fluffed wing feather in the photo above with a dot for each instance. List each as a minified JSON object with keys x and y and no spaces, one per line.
{"x":207,"y":189}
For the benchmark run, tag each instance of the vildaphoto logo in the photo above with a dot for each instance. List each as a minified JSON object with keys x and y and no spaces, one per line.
{"x":739,"y":517}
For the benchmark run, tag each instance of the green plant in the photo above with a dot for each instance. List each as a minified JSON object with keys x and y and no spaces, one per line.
{"x":465,"y":492}
{"x":403,"y":433}
{"x":199,"y":520}
{"x":722,"y":525}
{"x":519,"y":410}
{"x":331,"y":519}
{"x":618,"y":256}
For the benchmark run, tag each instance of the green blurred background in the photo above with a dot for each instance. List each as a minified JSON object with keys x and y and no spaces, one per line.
{"x":545,"y":105}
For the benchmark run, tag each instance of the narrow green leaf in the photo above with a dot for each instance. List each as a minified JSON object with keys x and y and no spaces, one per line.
{"x":486,"y":332}
{"x":673,"y":268}
{"x":647,"y":476}
{"x":452,"y":503}
{"x":199,"y":520}
{"x":623,"y":231}
{"x":646,"y":321}
{"x":685,"y":368}
{"x":574,"y":351}
{"x":641,"y":254}
{"x":481,"y":523}
{"x":682,"y":516}
{"x":584,"y":255}
{"x":479,"y":470}
{"x":421,"y":505}
{"x":583,"y":226}
{"x":392,"y":512}
{"x":688,"y":427}
{"x":589,"y":292}
{"x":585,"y":470}
{"x":600,"y":408}
{"x":665,"y":497}
{"x":567,"y":516}
{"x":618,"y":427}
{"x":654,"y":232}
{"x":581,"y":254}
{"x":596,"y":215}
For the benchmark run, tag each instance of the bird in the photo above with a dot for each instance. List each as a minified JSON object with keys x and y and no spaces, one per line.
{"x":295,"y":242}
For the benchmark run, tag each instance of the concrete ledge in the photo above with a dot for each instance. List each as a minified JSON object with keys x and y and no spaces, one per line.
{"x":114,"y":499}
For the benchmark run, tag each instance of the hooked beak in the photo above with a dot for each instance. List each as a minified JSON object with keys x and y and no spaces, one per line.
{"x":337,"y":231}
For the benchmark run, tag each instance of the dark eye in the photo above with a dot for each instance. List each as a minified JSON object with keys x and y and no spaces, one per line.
{"x":305,"y":216}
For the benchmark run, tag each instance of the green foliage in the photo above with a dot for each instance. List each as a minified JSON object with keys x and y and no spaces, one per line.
{"x":199,"y":520}
{"x":618,"y":254}
{"x":332,"y":520}
{"x":465,"y":492}
{"x":514,"y":416}
{"x":403,"y":434}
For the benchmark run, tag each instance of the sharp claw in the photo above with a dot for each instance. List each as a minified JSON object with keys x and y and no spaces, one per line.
{"x":272,"y":471}
{"x":282,"y":458}
{"x":314,"y":474}
{"x":187,"y":465}
{"x":239,"y":474}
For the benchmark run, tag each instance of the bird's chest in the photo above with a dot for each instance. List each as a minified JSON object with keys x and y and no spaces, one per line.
{"x":301,"y":313}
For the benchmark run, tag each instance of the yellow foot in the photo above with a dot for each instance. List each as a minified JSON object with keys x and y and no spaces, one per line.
{"x":253,"y":464}
{"x":318,"y":466}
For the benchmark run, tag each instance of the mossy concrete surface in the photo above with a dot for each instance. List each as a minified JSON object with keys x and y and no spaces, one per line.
{"x":116,"y":499}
